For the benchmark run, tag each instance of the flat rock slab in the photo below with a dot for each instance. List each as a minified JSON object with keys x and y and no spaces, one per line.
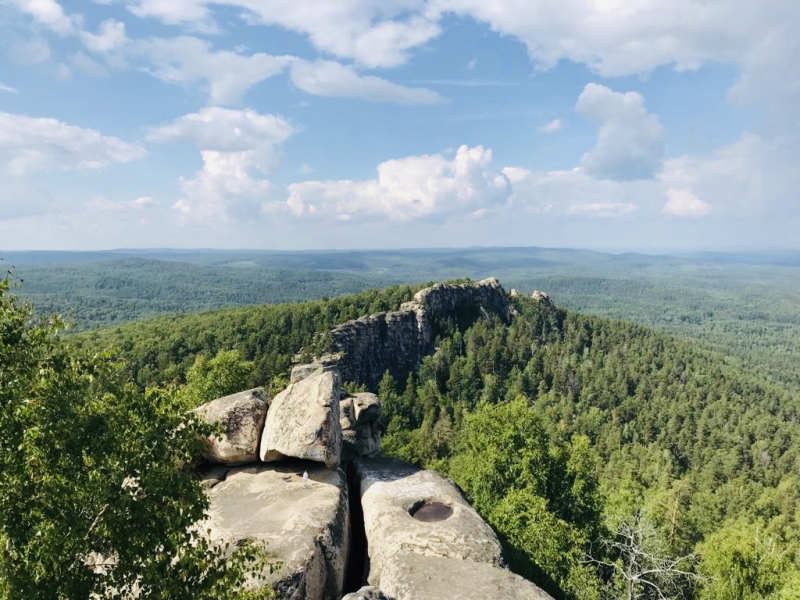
{"x":241,"y":417}
{"x":303,"y":421}
{"x":367,"y":593}
{"x":306,"y":525}
{"x":419,"y":577}
{"x":390,"y":490}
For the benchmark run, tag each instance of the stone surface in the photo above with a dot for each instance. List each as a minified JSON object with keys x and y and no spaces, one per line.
{"x":306,"y":526}
{"x":361,"y":432}
{"x":301,"y":372}
{"x":241,"y":417}
{"x":419,"y":577}
{"x":303,"y":421}
{"x":211,"y":477}
{"x":541,"y":297}
{"x":397,"y":341}
{"x":389,"y":489}
{"x":514,"y":293}
{"x":367,"y":593}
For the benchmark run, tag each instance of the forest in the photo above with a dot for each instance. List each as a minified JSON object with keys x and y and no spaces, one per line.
{"x":647,"y":463}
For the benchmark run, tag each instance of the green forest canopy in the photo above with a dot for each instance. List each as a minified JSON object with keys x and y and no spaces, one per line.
{"x":605,"y":425}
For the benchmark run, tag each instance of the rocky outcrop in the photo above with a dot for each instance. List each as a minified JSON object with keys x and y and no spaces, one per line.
{"x":305,"y":525}
{"x":241,"y":417}
{"x":418,"y":577}
{"x":426,"y":542}
{"x":361,"y":431}
{"x":397,"y":341}
{"x":303,"y":421}
{"x":542,"y":297}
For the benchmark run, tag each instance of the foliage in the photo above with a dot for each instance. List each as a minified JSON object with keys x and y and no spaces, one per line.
{"x":211,"y":378}
{"x":94,"y":499}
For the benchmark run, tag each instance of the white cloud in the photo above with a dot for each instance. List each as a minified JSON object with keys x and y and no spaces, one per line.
{"x":416,"y":187}
{"x":110,"y":36}
{"x":329,"y":78}
{"x":683,"y":203}
{"x":7,"y":88}
{"x":234,"y":144}
{"x":373,"y":33}
{"x":574,"y":192}
{"x":29,"y":144}
{"x":46,"y":12}
{"x":551,"y":127}
{"x":630,"y":141}
{"x":227,"y":75}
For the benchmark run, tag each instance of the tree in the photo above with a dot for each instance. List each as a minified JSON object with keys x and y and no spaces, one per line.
{"x":209,"y":379}
{"x":94,"y":498}
{"x":642,"y":567}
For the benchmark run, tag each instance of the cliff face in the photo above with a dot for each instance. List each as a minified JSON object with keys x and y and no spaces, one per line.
{"x":397,"y":341}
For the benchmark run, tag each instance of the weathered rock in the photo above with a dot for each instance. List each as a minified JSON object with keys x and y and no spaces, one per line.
{"x":389,"y":490}
{"x":397,"y":341}
{"x":361,"y":432}
{"x":301,"y":372}
{"x":514,"y":293}
{"x":367,"y":593}
{"x":306,"y":526}
{"x":242,"y":419}
{"x":303,"y":421}
{"x":541,"y":297}
{"x":419,"y":577}
{"x":213,"y":476}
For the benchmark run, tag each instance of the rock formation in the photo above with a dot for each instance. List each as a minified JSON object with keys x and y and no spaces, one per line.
{"x":397,"y":341}
{"x":303,"y":421}
{"x":306,"y":526}
{"x":423,"y":540}
{"x":361,"y":431}
{"x":241,"y":417}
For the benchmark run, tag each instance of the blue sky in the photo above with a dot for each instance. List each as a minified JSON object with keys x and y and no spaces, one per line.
{"x":290,"y":124}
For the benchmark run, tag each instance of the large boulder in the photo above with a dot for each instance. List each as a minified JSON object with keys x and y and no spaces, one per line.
{"x":241,"y":417}
{"x":426,"y":543}
{"x":391,"y":491}
{"x":361,"y":431}
{"x":419,"y":577}
{"x":303,"y":421}
{"x":305,"y":525}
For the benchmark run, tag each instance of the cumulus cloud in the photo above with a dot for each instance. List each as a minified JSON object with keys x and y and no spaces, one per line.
{"x":329,"y":78}
{"x":428,"y":186}
{"x":630,"y":141}
{"x":29,"y":144}
{"x":46,"y":12}
{"x":226,"y":75}
{"x":110,"y":37}
{"x":234,"y":145}
{"x":683,"y":203}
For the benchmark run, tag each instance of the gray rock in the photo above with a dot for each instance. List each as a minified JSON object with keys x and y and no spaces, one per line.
{"x":361,"y":432}
{"x":367,"y":593}
{"x":213,"y":476}
{"x":306,"y":526}
{"x":514,"y":293}
{"x":397,"y":341}
{"x":389,"y":490}
{"x":300,"y":372}
{"x":541,"y":297}
{"x":242,"y":419}
{"x":303,"y":421}
{"x":419,"y":577}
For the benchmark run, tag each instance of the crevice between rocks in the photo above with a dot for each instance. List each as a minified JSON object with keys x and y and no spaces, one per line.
{"x":357,"y":561}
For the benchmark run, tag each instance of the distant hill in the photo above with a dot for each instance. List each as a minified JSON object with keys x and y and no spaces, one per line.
{"x":743,"y":305}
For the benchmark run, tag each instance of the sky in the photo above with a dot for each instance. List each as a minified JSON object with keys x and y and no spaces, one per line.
{"x":308,"y":124}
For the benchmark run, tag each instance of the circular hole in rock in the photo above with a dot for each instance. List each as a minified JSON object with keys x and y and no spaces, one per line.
{"x":430,"y":511}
